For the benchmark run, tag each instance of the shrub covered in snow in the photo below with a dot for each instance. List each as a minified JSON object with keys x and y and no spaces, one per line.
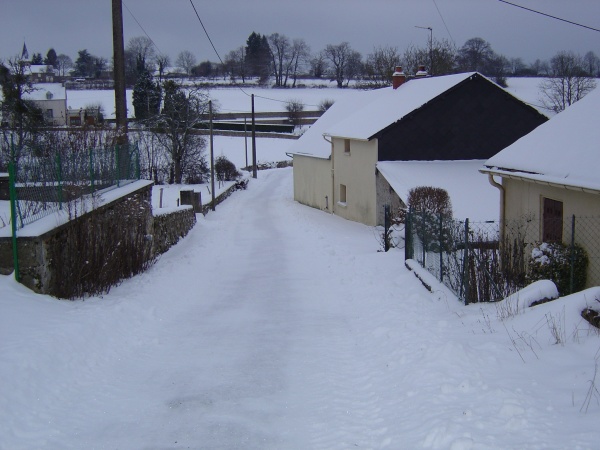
{"x":552,"y":261}
{"x":225,"y":170}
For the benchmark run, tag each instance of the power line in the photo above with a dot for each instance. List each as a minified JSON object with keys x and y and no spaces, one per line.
{"x":140,"y":25}
{"x":551,"y":16}
{"x":219,"y":56}
{"x":444,"y":22}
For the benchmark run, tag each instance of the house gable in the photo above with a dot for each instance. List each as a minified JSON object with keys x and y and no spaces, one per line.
{"x":475,"y":119}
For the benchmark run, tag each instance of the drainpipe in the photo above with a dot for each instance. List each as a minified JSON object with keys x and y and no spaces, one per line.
{"x":332,"y":201}
{"x":502,"y":201}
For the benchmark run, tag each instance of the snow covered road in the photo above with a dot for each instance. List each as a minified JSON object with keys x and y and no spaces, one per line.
{"x":276,"y":326}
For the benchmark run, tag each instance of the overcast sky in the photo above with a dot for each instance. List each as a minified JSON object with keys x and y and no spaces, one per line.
{"x":72,"y":25}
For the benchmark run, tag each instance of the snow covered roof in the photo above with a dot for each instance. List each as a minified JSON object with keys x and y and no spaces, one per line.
{"x":40,"y":68}
{"x":563,"y":151}
{"x":471,"y":194}
{"x":42,"y":91}
{"x":385,"y":106}
{"x":364,"y":114}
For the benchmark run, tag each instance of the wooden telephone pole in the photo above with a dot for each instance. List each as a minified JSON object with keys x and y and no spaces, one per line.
{"x":119,"y":72}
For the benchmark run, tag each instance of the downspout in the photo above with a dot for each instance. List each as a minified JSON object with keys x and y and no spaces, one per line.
{"x":502,"y":201}
{"x":331,"y":200}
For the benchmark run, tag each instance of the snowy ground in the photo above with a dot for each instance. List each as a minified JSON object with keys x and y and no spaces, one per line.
{"x":277,"y":326}
{"x":233,"y":99}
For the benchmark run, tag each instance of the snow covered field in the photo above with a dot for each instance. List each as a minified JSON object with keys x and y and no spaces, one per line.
{"x":277,"y":326}
{"x":231,"y":99}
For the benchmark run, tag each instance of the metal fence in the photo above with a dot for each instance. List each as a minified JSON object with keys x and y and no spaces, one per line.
{"x":484,"y":261}
{"x":41,"y":183}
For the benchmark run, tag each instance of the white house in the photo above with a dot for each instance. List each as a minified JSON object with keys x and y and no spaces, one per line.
{"x":453,"y":117}
{"x":51,"y":98}
{"x":551,"y":175}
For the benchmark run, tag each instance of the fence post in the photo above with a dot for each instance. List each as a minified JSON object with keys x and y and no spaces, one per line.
{"x":117,"y":172}
{"x":572,"y":274}
{"x":92,"y":170}
{"x":386,"y":227}
{"x":441,"y":248}
{"x":13,"y":215}
{"x":408,"y":236}
{"x":424,"y":233}
{"x":464,"y":287}
{"x":137,"y":161}
{"x":59,"y":179}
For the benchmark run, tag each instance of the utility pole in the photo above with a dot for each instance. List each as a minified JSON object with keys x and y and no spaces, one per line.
{"x":119,"y":71}
{"x":212,"y":155}
{"x":254,"y":174}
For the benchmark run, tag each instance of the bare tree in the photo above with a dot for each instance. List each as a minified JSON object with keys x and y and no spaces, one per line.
{"x":162,"y":61}
{"x":186,"y":61}
{"x":176,"y":130}
{"x":380,"y":65}
{"x":63,"y":64}
{"x":300,"y":55}
{"x":235,"y":63}
{"x":475,"y":55}
{"x":591,"y":64}
{"x":280,"y":57}
{"x":343,"y":62}
{"x":318,"y":65}
{"x":568,"y":82}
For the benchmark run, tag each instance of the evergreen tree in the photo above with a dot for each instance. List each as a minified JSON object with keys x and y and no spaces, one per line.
{"x":84,"y":64}
{"x":37,"y":59}
{"x":51,"y":58}
{"x":146,"y":96}
{"x":258,"y":56}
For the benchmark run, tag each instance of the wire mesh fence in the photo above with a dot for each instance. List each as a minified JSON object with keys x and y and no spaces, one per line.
{"x":42,"y":182}
{"x":487,"y":261}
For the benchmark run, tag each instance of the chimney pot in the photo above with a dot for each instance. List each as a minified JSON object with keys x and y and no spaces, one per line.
{"x":398,"y":78}
{"x":421,"y":72}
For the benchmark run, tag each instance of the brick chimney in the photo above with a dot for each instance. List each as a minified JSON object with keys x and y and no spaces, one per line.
{"x":398,"y":78}
{"x":421,"y":73}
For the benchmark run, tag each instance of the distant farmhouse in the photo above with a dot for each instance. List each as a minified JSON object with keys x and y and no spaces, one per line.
{"x":339,"y":162}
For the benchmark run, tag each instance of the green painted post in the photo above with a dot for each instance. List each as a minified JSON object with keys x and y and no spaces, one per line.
{"x":572,"y":274}
{"x":441,"y":248}
{"x":59,"y":179}
{"x":137,"y":162}
{"x":464,"y":287}
{"x":13,"y":216}
{"x":92,"y":170}
{"x":117,"y":167}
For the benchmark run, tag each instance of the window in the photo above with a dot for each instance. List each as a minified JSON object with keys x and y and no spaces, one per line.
{"x":347,"y":146}
{"x":552,"y":217}
{"x":343,"y":193}
{"x":49,"y":114}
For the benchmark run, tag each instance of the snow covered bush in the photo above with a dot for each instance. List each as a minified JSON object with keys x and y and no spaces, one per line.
{"x":553,"y":260}
{"x":225,"y":170}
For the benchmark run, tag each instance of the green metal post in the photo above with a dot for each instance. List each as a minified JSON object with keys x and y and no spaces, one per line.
{"x":59,"y":178}
{"x":572,"y":274}
{"x":137,"y":162}
{"x":424,"y":234}
{"x":13,"y":216}
{"x":441,"y":248}
{"x":117,"y":167}
{"x":464,"y":287}
{"x":92,"y":170}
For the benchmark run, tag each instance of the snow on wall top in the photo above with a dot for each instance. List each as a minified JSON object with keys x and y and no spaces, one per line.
{"x":471,"y":194}
{"x":564,"y":150}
